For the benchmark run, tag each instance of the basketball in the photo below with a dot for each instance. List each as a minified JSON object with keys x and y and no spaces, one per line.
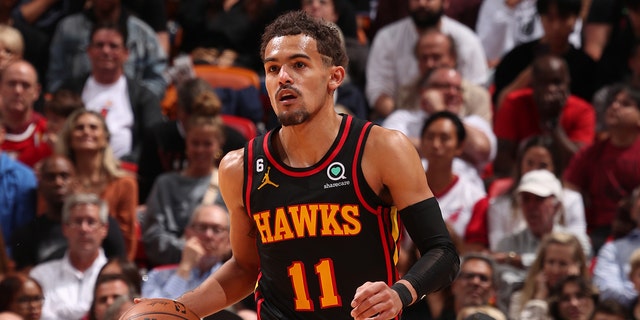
{"x":159,"y":309}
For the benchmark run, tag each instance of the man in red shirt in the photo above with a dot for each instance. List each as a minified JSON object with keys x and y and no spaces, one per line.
{"x":546,"y":109}
{"x":19,"y":89}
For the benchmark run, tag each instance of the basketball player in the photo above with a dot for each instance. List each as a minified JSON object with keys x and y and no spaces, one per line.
{"x":314,"y":204}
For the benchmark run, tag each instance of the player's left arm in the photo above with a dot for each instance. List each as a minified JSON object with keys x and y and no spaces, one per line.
{"x":392,"y":163}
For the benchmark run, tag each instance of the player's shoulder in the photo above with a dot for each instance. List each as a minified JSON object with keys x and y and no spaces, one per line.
{"x":232,"y":162}
{"x":382,"y":139}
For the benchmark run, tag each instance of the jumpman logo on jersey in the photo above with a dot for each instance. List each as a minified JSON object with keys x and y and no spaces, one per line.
{"x":266,"y":180}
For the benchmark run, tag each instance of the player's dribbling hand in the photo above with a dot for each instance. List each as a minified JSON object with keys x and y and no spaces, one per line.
{"x":375,"y":300}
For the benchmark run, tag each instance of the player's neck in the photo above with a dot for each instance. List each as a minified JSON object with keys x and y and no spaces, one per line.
{"x":304,"y":145}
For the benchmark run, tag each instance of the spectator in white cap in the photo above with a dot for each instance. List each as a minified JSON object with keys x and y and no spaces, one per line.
{"x":539,"y":196}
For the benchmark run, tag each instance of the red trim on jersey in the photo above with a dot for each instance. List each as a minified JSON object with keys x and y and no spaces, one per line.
{"x":258,"y":297}
{"x":447,"y":188}
{"x":320,"y":167}
{"x":385,"y":246}
{"x":249,"y":178}
{"x":355,"y":166}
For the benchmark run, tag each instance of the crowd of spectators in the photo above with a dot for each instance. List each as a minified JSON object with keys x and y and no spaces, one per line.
{"x":526,"y":114}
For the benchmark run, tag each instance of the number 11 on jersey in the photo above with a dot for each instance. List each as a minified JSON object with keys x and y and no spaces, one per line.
{"x":324,"y":270}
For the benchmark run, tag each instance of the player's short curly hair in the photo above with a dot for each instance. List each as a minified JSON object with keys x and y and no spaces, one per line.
{"x":327,"y":35}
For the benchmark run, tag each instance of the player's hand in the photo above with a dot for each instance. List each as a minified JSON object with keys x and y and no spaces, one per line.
{"x":375,"y":300}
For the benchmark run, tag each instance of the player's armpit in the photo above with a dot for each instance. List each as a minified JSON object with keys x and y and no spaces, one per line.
{"x":391,"y":162}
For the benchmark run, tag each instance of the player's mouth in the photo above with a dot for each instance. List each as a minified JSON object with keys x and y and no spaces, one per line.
{"x":287,"y":96}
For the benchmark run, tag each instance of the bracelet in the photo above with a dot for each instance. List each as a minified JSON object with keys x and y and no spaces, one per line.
{"x":403,"y":293}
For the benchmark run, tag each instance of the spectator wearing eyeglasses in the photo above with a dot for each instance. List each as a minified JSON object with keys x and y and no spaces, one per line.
{"x":22,"y":296}
{"x":441,"y":90}
{"x":474,"y":287}
{"x":68,"y":283}
{"x":206,"y":248}
{"x":476,"y":282}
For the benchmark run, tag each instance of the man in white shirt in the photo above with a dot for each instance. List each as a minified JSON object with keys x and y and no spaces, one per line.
{"x":128,"y":107}
{"x":68,"y":283}
{"x":392,"y":62}
{"x":442,"y":90}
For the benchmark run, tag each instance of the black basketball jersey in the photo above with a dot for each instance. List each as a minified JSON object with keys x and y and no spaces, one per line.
{"x":321,"y":231}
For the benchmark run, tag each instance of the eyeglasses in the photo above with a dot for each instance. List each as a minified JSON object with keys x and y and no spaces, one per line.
{"x":30,"y":299}
{"x":468,"y":276}
{"x":203,"y":228}
{"x":91,"y":223}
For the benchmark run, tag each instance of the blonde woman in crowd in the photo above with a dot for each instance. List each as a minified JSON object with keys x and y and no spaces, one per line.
{"x":559,"y":255}
{"x":85,"y":141}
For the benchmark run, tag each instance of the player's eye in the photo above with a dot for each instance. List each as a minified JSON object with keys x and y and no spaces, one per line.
{"x":272,"y":69}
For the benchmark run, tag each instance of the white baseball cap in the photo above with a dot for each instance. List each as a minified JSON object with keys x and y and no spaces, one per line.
{"x":542,"y":183}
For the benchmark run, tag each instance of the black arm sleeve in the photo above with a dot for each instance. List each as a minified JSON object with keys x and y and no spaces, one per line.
{"x":439,"y":262}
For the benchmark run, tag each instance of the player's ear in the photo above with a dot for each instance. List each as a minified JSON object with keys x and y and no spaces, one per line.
{"x":337,"y":75}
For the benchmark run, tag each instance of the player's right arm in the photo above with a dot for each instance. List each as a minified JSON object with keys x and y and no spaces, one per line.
{"x":407,"y":184}
{"x":237,"y":277}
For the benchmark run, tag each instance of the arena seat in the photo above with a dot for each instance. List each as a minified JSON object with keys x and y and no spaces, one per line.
{"x":245,"y":126}
{"x":218,"y":77}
